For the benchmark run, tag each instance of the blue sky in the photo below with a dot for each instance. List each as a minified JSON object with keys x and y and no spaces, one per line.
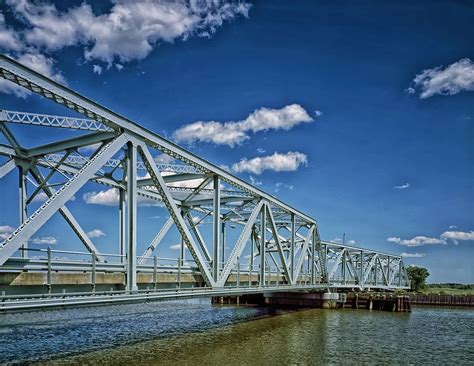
{"x":368,"y":106}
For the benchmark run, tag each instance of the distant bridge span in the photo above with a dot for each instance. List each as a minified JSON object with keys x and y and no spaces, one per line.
{"x":240,"y":239}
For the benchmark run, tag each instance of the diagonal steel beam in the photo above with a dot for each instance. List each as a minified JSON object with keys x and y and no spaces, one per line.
{"x":196,"y":191}
{"x":199,"y":238}
{"x":68,"y":216}
{"x":156,"y":240}
{"x":71,"y":143}
{"x":7,"y":168}
{"x":175,"y":213}
{"x":303,"y":254}
{"x":24,"y":232}
{"x":239,"y":245}
{"x":336,"y":263}
{"x":384,"y":275}
{"x":276,"y":238}
{"x":369,"y":267}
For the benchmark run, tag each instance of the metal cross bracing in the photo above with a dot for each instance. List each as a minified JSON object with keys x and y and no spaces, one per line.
{"x":237,"y":236}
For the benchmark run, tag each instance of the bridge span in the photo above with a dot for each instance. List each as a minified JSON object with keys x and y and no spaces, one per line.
{"x":233,"y":238}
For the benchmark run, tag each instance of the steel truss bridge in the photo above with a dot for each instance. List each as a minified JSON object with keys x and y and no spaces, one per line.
{"x":241,"y":240}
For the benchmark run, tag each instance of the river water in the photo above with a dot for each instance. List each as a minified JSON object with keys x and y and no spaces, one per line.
{"x":196,"y":333}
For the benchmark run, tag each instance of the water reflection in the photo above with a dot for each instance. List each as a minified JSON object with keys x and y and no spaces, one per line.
{"x":197,"y":333}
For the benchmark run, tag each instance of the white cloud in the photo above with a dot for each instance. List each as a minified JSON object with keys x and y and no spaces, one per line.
{"x":277,"y":162}
{"x":351,"y":242}
{"x":451,"y":80}
{"x":233,"y":133}
{"x":96,"y":233}
{"x":128,"y":31}
{"x":110,"y":197}
{"x":40,"y":197}
{"x":8,"y":38}
{"x":416,"y":241}
{"x":261,"y":150}
{"x":413,"y":255}
{"x":175,"y":247}
{"x":164,"y":159}
{"x":452,"y":226}
{"x":97,"y":69}
{"x":119,"y":67}
{"x":45,"y":240}
{"x":6,"y":231}
{"x":318,"y":113}
{"x":36,"y":61}
{"x":458,"y":235}
{"x":278,"y":185}
{"x":255,"y":181}
{"x":403,"y":186}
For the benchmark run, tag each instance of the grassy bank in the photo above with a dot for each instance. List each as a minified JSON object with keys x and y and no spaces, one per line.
{"x":448,"y":289}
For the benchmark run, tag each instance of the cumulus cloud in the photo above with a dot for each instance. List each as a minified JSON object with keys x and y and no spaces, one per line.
{"x":175,"y":246}
{"x":277,"y":162}
{"x":128,"y":31}
{"x":351,"y":242}
{"x":5,"y":232}
{"x":164,"y":159}
{"x":233,"y":133}
{"x":455,"y":236}
{"x":96,"y":233}
{"x":278,"y":185}
{"x":255,"y":181}
{"x":413,"y":255}
{"x":416,"y":241}
{"x":403,"y":186}
{"x":97,"y":69}
{"x":37,"y":62}
{"x":110,"y":197}
{"x":8,"y":38}
{"x":450,"y":80}
{"x":44,"y":240}
{"x":40,"y":197}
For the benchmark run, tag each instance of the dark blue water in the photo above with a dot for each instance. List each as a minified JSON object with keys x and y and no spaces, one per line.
{"x":194,"y":332}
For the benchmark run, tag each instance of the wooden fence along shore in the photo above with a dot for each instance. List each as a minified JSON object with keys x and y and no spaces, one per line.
{"x":444,"y":300}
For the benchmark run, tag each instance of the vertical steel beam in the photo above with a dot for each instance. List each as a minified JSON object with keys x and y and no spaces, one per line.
{"x":263,"y":216}
{"x":132,"y":217}
{"x":313,"y":256}
{"x":361,"y":276}
{"x":122,"y":226}
{"x":182,"y":254}
{"x":216,"y":228}
{"x":388,"y":270}
{"x":292,"y":246}
{"x":343,"y":266}
{"x":22,"y":197}
{"x":223,"y":244}
{"x":252,"y":243}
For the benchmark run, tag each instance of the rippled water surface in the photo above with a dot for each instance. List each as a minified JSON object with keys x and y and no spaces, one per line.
{"x":194,"y":332}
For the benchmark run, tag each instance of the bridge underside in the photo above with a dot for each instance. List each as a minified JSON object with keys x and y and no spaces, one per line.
{"x":231,"y":236}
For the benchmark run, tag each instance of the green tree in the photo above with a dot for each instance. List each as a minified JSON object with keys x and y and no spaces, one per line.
{"x":417,"y":276}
